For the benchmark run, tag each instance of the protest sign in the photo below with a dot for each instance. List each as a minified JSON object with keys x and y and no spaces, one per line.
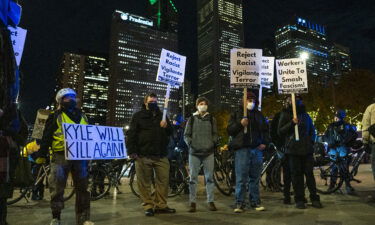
{"x":171,"y":71}
{"x":245,"y":66}
{"x":292,"y":79}
{"x":291,"y":76}
{"x":89,"y":142}
{"x":266,"y":76}
{"x":40,"y":123}
{"x":18,"y":37}
{"x":171,"y":68}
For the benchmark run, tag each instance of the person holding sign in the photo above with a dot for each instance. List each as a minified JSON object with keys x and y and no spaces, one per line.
{"x":147,"y":141}
{"x":201,"y":137}
{"x":248,"y":155}
{"x":53,"y":138}
{"x":300,"y":152}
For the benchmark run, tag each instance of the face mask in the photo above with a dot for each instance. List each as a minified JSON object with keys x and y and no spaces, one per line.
{"x":202,"y":108}
{"x":71,"y":104}
{"x":153,"y":106}
{"x":250,"y":105}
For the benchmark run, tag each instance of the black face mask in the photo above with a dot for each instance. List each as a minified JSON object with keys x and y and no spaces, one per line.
{"x":69,"y":105}
{"x":153,"y":106}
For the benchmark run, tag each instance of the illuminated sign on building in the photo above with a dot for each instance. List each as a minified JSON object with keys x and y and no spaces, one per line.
{"x":135,"y":19}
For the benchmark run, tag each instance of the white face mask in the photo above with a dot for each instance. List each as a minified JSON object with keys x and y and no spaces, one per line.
{"x":250,"y":105}
{"x":202,"y":108}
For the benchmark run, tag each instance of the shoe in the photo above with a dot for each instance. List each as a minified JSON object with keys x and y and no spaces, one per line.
{"x":316,"y":204}
{"x":211,"y":206}
{"x":87,"y":222}
{"x":55,"y":222}
{"x":257,"y":207}
{"x":300,"y":205}
{"x":165,"y":210}
{"x":287,"y":201}
{"x":149,"y":212}
{"x":239,"y":208}
{"x":193,"y":207}
{"x":350,"y":190}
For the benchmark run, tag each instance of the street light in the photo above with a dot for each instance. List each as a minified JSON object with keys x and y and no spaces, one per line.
{"x":304,"y":55}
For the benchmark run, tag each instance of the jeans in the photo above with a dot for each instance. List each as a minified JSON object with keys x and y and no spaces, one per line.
{"x":301,"y":166}
{"x":248,"y":166}
{"x":195,"y":163}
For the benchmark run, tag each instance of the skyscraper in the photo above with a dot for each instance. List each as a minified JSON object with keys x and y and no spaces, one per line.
{"x":340,"y":60}
{"x":220,"y":29}
{"x":135,"y":49}
{"x":302,"y":38}
{"x":87,"y":74}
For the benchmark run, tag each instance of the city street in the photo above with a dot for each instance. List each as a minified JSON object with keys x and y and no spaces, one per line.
{"x":339,"y":209}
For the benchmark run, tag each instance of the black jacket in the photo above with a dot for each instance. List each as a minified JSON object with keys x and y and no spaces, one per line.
{"x":306,"y":132}
{"x":257,"y":130}
{"x":145,"y":137}
{"x":340,"y":134}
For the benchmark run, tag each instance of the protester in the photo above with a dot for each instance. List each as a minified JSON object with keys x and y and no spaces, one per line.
{"x":339,"y":135}
{"x":201,"y":137}
{"x":248,"y":149}
{"x":300,"y":153}
{"x":368,"y":136}
{"x":147,"y":140}
{"x":13,"y":134}
{"x":53,"y":138}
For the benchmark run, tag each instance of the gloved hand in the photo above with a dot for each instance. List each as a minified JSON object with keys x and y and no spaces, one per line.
{"x":40,"y":160}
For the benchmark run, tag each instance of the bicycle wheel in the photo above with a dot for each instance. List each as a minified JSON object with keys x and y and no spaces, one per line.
{"x":69,"y":188}
{"x":177,"y":181}
{"x":18,"y":194}
{"x":222,"y":177}
{"x":276,"y":177}
{"x":100,"y":183}
{"x":326,"y":182}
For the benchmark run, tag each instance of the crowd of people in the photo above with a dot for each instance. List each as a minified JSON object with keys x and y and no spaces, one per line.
{"x":151,"y":140}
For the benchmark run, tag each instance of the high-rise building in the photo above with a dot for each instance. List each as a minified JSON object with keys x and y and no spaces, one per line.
{"x":220,"y":29}
{"x":340,"y":60}
{"x":87,"y":74}
{"x":135,"y":48}
{"x":302,"y":38}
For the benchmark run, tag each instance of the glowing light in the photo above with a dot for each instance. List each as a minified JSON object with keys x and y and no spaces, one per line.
{"x":304,"y":55}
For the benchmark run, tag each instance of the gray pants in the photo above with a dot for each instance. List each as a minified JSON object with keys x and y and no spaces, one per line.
{"x":60,"y":169}
{"x":208,"y":168}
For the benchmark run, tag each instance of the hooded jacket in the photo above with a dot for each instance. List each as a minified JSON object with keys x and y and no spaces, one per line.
{"x":257,"y":129}
{"x":340,"y":134}
{"x":201,"y":134}
{"x":306,"y":131}
{"x":145,"y":137}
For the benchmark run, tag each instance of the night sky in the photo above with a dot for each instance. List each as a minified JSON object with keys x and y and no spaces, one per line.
{"x":72,"y":25}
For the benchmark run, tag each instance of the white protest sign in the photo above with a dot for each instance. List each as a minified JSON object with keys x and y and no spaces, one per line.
{"x":266,"y":72}
{"x":171,"y":68}
{"x":291,"y":76}
{"x":89,"y":142}
{"x":40,"y":123}
{"x":245,"y":66}
{"x":18,"y":37}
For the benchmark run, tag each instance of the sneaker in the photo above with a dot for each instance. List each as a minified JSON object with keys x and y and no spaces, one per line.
{"x":239,"y":209}
{"x":149,"y":212}
{"x":350,"y":190}
{"x":87,"y":222}
{"x":316,"y":204}
{"x":211,"y":206}
{"x":165,"y":210}
{"x":193,"y":207}
{"x":257,"y":207}
{"x":300,"y":205}
{"x":55,"y":222}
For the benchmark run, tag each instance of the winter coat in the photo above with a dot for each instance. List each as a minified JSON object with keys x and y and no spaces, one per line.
{"x":340,"y":134}
{"x":145,"y":137}
{"x":201,"y":134}
{"x":257,"y":130}
{"x":306,"y":131}
{"x":368,"y":120}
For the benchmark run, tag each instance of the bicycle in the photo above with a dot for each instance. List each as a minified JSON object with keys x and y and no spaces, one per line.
{"x":42,"y":177}
{"x":224,"y":174}
{"x":328,"y":183}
